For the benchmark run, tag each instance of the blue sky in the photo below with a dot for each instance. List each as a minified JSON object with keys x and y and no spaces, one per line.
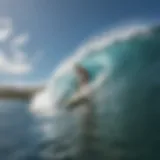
{"x":35,"y":35}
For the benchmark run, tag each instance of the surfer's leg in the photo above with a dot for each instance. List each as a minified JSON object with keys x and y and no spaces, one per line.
{"x":88,"y":134}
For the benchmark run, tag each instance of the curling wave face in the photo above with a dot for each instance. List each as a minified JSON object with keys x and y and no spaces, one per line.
{"x":124,"y":65}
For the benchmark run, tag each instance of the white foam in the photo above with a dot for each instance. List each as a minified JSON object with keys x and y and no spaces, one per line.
{"x":41,"y":104}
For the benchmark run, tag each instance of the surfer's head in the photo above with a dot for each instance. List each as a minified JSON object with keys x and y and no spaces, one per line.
{"x":78,"y":69}
{"x":82,"y":73}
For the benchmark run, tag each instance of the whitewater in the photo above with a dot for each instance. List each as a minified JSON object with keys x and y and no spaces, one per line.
{"x":123,"y":64}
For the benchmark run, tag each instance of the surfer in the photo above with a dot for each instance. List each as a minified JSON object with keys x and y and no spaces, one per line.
{"x":82,"y":81}
{"x":82,"y":75}
{"x":88,"y":116}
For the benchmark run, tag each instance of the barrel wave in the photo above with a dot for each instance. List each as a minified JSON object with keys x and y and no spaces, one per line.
{"x":124,"y":65}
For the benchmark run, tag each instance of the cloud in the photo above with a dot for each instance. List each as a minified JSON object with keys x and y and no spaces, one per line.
{"x":11,"y":66}
{"x":20,"y":40}
{"x":18,"y":62}
{"x":19,"y":69}
{"x":5,"y":29}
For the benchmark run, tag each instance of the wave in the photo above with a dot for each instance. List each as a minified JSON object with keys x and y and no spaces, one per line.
{"x":124,"y":66}
{"x":94,"y":55}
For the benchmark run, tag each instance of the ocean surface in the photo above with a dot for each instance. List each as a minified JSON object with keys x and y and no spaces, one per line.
{"x":25,"y":136}
{"x":17,"y":136}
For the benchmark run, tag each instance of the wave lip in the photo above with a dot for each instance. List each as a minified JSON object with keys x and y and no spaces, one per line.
{"x":97,"y":43}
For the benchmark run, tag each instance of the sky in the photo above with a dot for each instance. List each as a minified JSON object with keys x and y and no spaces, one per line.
{"x":36,"y":35}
